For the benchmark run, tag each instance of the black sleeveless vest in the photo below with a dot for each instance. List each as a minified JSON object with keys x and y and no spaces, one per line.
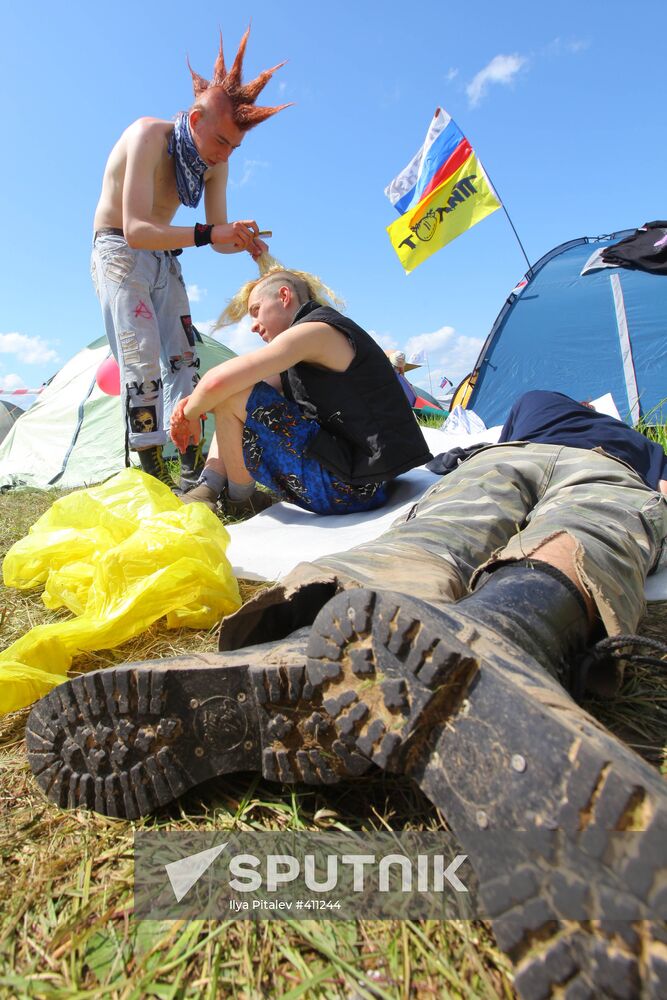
{"x":368,"y":433}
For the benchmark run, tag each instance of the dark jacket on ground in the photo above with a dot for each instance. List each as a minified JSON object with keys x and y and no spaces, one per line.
{"x":553,"y":418}
{"x":547,"y":417}
{"x":369,"y":433}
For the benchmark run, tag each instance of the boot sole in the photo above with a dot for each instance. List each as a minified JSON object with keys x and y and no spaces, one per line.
{"x":497,"y":752}
{"x":389,"y":680}
{"x":128,"y":740}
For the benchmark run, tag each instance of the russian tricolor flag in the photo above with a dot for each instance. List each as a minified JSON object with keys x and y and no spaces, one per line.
{"x":441,"y":193}
{"x":445,"y":149}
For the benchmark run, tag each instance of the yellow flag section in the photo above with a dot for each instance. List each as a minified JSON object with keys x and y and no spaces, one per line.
{"x":460,"y":202}
{"x":118,"y":557}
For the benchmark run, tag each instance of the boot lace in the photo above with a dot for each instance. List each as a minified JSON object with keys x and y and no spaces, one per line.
{"x":619,"y":648}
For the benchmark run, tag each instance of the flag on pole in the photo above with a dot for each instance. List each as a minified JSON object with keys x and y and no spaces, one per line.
{"x":418,"y":358}
{"x":442,"y":192}
{"x":518,"y":288}
{"x":445,"y":381}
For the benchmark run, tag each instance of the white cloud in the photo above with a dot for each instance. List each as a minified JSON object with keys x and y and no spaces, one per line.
{"x":448,"y":353}
{"x":238,"y":337}
{"x":206,"y":326}
{"x":385,"y":340}
{"x":430,"y":343}
{"x":501,"y":70}
{"x":12,"y":381}
{"x":31,"y":350}
{"x":250,"y":169}
{"x":572,"y":46}
{"x":195,"y":293}
{"x":451,"y":74}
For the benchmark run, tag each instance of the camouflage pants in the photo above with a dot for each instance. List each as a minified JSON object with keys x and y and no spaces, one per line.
{"x":499,"y":506}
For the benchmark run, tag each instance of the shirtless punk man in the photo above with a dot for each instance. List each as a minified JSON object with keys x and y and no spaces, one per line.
{"x":155,"y":166}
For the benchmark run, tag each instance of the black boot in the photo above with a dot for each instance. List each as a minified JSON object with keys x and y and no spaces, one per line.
{"x":564,"y":825}
{"x":534,"y":606}
{"x":125,"y":741}
{"x":192,"y":465}
{"x":153,"y":463}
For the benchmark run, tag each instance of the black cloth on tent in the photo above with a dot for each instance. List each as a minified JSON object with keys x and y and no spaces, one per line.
{"x":645,"y":250}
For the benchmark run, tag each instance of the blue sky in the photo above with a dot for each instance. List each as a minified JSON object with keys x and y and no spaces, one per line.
{"x":563,"y":105}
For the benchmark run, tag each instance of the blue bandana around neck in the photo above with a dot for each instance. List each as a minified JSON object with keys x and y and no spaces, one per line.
{"x":190,"y":168}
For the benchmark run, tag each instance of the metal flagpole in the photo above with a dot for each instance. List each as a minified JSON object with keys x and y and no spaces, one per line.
{"x":502,"y":203}
{"x":430,"y":383}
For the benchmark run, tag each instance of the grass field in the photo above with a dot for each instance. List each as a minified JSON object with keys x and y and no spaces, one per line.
{"x":66,"y":920}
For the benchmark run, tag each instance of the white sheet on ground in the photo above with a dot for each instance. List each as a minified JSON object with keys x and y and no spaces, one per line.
{"x":271,"y":544}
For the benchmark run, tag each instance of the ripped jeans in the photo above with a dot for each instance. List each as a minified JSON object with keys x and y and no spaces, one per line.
{"x":148,"y":325}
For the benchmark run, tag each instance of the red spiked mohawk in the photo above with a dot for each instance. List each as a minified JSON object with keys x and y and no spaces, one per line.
{"x":242,"y":96}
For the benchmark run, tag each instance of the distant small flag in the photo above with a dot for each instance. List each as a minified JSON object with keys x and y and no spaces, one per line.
{"x":442,"y":192}
{"x":445,"y":382}
{"x":419,"y":358}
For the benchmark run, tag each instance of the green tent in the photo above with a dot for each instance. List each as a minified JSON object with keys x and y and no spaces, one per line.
{"x":74,"y":434}
{"x":9,"y":413}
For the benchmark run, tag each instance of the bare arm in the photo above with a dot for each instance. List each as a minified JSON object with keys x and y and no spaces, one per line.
{"x":275,"y":382}
{"x":145,"y":147}
{"x":313,"y":342}
{"x":215,"y":200}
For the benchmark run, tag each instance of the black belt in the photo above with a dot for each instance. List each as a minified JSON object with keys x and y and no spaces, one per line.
{"x":115,"y":231}
{"x":108,"y":231}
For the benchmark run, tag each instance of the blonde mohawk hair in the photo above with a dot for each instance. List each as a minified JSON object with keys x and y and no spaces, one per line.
{"x":242,"y":96}
{"x":237,"y":307}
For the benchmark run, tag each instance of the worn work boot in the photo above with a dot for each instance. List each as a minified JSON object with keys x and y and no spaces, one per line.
{"x":124,"y":741}
{"x":565,"y":827}
{"x":258,"y":501}
{"x":192,"y":465}
{"x":153,"y":463}
{"x":202,"y":493}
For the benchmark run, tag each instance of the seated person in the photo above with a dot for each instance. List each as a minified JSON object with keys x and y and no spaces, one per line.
{"x":399,"y":365}
{"x":317,"y":415}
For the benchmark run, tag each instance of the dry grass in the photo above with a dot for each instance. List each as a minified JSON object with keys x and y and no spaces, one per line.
{"x":66,"y":921}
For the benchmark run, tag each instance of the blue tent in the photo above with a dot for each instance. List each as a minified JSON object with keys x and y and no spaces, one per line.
{"x":584,"y":335}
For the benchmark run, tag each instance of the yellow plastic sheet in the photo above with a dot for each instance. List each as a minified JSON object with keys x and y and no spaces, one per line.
{"x":118,"y":556}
